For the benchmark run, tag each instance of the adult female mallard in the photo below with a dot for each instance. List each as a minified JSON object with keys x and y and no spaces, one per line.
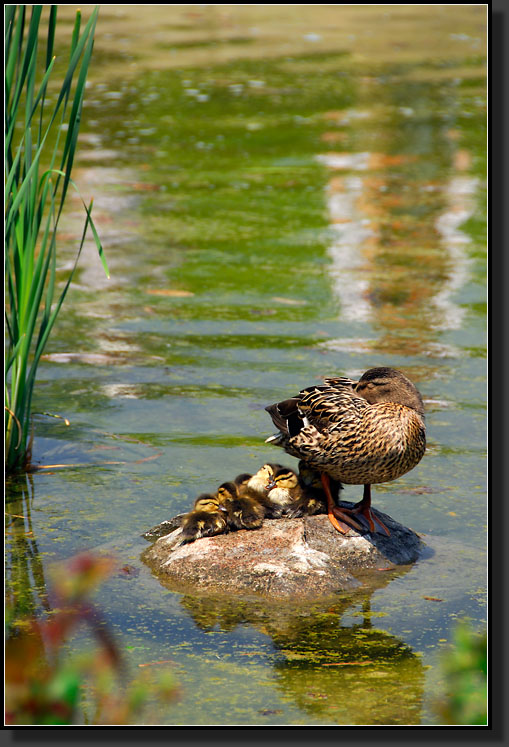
{"x":356,"y":432}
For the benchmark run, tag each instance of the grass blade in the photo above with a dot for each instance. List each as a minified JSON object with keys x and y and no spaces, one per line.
{"x":34,"y":201}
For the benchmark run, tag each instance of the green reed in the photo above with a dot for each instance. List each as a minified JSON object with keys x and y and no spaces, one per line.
{"x":40,"y":145}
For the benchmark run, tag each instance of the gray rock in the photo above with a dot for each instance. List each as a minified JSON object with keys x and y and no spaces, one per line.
{"x":164,"y":528}
{"x":286,"y":558}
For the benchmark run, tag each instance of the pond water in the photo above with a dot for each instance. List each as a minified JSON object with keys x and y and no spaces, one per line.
{"x":268,"y":222}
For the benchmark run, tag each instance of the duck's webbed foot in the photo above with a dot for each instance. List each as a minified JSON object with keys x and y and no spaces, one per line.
{"x":365,"y":513}
{"x":338,"y":517}
{"x":342,"y":520}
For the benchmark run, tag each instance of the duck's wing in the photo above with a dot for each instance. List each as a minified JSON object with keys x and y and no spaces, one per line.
{"x":325,"y":407}
{"x":331,"y":406}
{"x":340,"y":381}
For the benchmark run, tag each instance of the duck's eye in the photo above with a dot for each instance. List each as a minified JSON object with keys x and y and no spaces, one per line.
{"x":286,"y":480}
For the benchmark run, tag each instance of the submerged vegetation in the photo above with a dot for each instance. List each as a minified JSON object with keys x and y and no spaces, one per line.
{"x":41,"y":135}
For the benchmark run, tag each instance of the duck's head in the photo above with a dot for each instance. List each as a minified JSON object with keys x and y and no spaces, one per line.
{"x":388,"y":385}
{"x":227,"y":492}
{"x":258,"y":482}
{"x":242,"y":480}
{"x":208,"y":502}
{"x":283,"y":478}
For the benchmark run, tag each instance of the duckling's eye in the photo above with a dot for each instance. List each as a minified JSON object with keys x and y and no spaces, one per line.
{"x":286,"y":479}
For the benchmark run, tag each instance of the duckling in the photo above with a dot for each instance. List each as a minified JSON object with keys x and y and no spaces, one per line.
{"x":313,"y":499}
{"x":257,"y":484}
{"x":255,"y":487}
{"x":242,"y":480}
{"x":357,"y":432}
{"x":243,"y":511}
{"x":207,"y":518}
{"x":284,"y":489}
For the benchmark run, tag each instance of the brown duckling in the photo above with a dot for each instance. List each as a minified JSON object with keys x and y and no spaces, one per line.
{"x":207,"y":518}
{"x":301,"y":494}
{"x":256,"y":488}
{"x":357,"y":432}
{"x":257,"y":484}
{"x":313,"y":499}
{"x":242,"y":511}
{"x":283,"y":489}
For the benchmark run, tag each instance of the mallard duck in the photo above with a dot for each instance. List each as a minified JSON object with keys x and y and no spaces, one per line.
{"x":256,"y":487}
{"x":207,"y":518}
{"x":357,"y":432}
{"x":283,"y":489}
{"x":300,"y":494}
{"x":257,"y":483}
{"x":313,"y":499}
{"x":243,"y":511}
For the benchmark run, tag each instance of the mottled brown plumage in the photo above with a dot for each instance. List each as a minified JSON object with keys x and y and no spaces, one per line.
{"x":357,"y":433}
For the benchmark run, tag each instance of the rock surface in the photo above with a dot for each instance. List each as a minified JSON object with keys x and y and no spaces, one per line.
{"x":286,"y":558}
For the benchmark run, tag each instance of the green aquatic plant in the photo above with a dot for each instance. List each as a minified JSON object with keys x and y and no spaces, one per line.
{"x":44,"y":686}
{"x":41,"y":135}
{"x":465,"y":668}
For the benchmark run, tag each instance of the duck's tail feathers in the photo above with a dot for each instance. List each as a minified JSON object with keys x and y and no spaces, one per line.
{"x":287,"y":416}
{"x":274,"y":439}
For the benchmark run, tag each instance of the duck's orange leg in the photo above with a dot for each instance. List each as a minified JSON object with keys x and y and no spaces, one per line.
{"x":363,"y":509}
{"x":336,"y":514}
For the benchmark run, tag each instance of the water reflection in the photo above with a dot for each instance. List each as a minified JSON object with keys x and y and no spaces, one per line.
{"x":340,"y":672}
{"x":460,"y":195}
{"x":398,"y":254}
{"x":25,"y":583}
